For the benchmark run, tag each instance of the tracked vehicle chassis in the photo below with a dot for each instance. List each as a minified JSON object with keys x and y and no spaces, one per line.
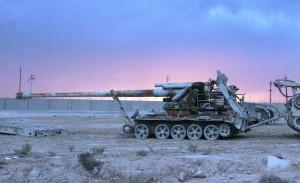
{"x":183,"y":128}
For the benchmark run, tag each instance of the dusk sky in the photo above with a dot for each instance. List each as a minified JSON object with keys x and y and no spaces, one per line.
{"x":80,"y":45}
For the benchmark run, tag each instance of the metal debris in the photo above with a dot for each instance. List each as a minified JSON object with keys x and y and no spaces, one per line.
{"x":28,"y":128}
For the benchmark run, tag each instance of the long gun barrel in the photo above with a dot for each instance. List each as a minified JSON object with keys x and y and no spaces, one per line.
{"x":112,"y":93}
{"x":129,"y":122}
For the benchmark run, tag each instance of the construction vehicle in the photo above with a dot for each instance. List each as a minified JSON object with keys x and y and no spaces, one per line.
{"x":293,"y":101}
{"x":193,"y":109}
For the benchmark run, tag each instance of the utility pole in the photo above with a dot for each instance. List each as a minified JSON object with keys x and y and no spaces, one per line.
{"x":20,"y":79}
{"x":270,"y":90}
{"x":31,"y":79}
{"x":286,"y":90}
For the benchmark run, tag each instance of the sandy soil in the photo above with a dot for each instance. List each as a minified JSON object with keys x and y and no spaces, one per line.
{"x":240,"y":159}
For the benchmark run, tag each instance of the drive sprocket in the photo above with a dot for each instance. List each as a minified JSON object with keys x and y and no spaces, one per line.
{"x":225,"y":130}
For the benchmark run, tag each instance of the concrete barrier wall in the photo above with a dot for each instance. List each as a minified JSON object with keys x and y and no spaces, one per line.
{"x":83,"y":105}
{"x":75,"y":105}
{"x":13,"y":104}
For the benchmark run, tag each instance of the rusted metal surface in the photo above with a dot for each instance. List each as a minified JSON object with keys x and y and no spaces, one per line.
{"x":122,"y":93}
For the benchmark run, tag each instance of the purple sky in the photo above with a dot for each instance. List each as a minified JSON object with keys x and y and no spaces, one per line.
{"x":127,"y":44}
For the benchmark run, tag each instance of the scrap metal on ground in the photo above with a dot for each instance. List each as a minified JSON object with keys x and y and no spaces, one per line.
{"x":28,"y":128}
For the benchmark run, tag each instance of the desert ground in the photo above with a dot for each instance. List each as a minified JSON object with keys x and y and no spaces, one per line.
{"x":123,"y":158}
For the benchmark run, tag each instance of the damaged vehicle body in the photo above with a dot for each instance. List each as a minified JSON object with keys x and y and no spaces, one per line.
{"x":293,"y":101}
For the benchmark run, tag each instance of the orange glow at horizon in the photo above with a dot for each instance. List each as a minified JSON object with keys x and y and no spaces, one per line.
{"x":140,"y":72}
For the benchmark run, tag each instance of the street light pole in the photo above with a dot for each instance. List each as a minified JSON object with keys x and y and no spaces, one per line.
{"x":20,"y":79}
{"x":286,"y":91}
{"x":270,"y":90}
{"x":168,"y":78}
{"x":31,"y":79}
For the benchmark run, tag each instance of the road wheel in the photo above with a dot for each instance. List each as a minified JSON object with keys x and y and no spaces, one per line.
{"x":211,"y":132}
{"x":141,"y":131}
{"x":178,"y":132}
{"x":194,"y":132}
{"x":162,"y":131}
{"x":128,"y":129}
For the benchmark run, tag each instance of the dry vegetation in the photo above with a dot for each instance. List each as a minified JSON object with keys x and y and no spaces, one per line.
{"x":141,"y":153}
{"x":142,"y":178}
{"x":90,"y":163}
{"x":272,"y":179}
{"x":24,"y":151}
{"x":192,"y":148}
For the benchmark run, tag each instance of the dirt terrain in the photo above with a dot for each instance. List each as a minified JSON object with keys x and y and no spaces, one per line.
{"x":126,"y":159}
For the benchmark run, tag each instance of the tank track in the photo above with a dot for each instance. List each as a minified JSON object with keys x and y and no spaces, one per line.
{"x":192,"y":130}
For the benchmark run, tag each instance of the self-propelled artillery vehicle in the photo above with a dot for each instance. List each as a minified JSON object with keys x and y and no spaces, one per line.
{"x":191,"y":110}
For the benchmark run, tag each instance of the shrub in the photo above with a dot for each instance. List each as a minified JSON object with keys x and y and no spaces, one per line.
{"x":110,"y":173}
{"x":141,"y":153}
{"x":141,"y":178}
{"x":89,"y":162}
{"x":271,"y":179}
{"x":26,"y":150}
{"x":192,"y":148}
